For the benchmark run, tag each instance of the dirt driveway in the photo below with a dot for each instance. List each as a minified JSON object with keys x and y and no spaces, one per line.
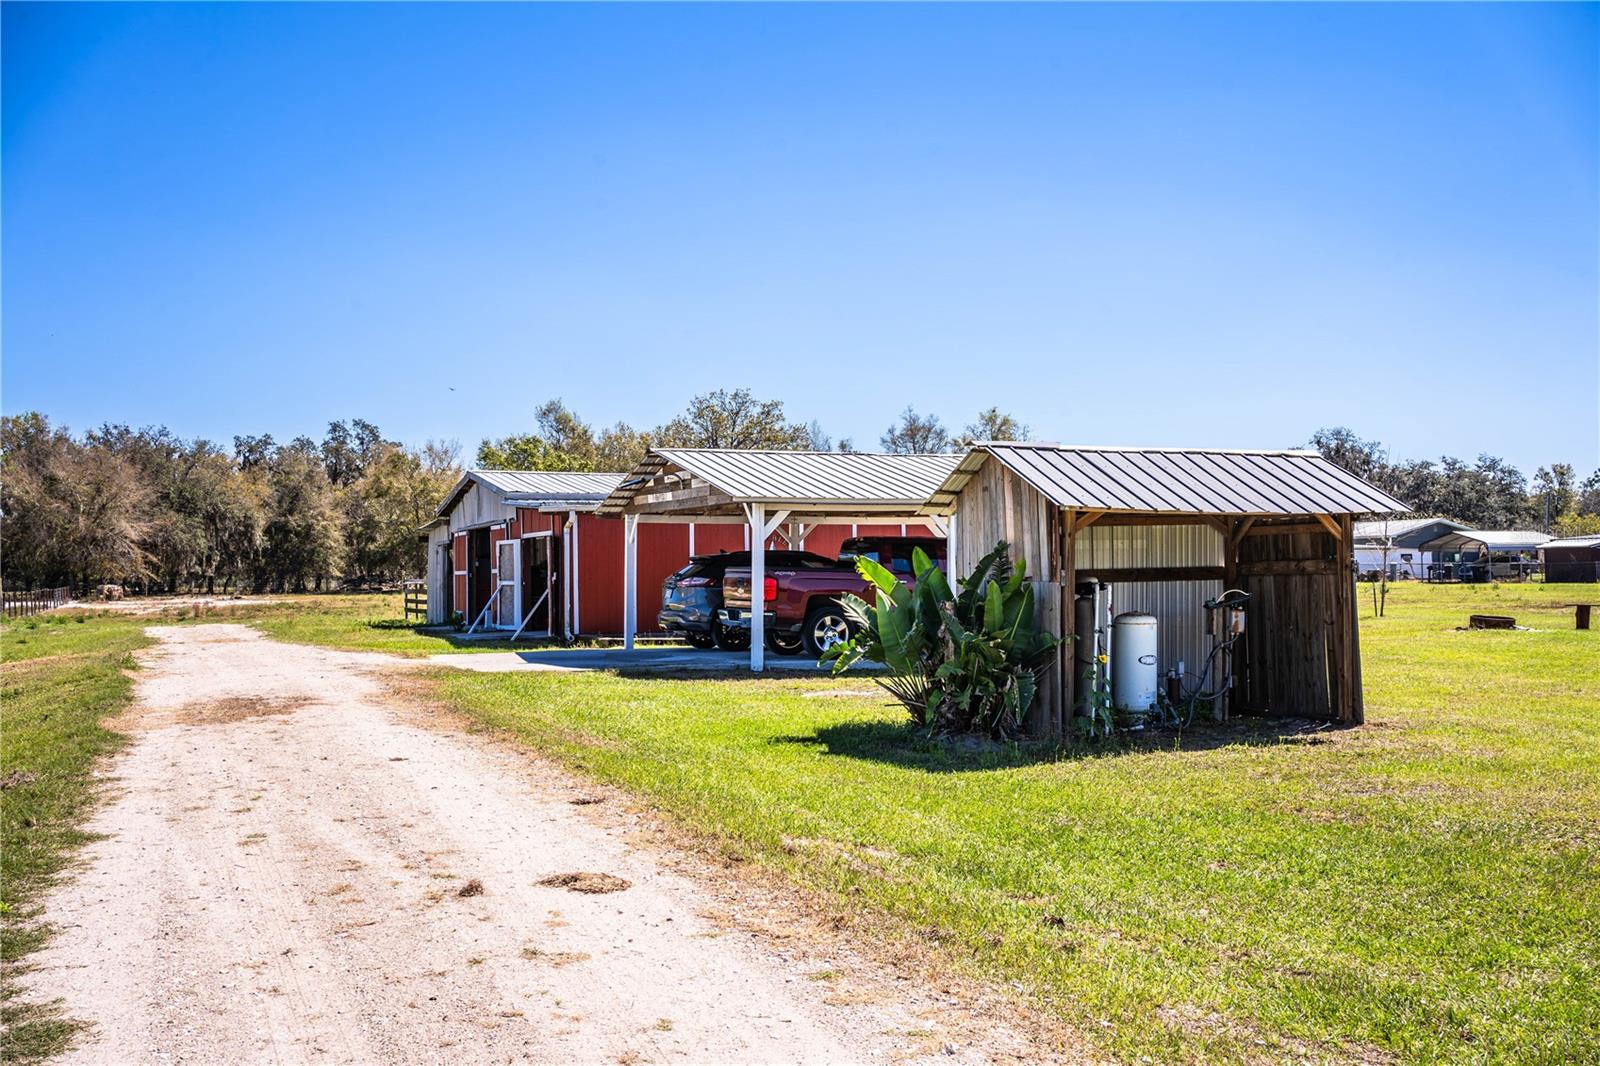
{"x":297,"y":870}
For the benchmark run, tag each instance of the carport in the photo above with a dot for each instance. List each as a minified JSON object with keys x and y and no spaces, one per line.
{"x":771,"y":493}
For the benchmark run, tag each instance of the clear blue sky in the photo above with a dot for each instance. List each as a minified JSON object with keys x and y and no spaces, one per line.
{"x":1220,"y":225}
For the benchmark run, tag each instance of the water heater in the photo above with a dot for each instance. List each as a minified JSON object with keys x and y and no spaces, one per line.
{"x":1133,"y":662}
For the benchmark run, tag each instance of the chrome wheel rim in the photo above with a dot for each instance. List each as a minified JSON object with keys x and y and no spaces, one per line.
{"x":830,"y":629}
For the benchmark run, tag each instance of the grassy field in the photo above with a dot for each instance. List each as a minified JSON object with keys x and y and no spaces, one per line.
{"x":61,"y":675}
{"x":1425,"y":888}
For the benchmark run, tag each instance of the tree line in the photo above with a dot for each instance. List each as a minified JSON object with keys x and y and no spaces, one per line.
{"x":151,"y":510}
{"x":1487,"y":493}
{"x":147,"y":509}
{"x":723,"y":418}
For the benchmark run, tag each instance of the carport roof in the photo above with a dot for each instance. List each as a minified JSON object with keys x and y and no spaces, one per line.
{"x":721,"y":480}
{"x":1174,"y":480}
{"x":1495,"y":540}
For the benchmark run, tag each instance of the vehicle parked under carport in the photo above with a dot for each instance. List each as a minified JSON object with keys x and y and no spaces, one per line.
{"x":803,"y":609}
{"x":692,"y":597}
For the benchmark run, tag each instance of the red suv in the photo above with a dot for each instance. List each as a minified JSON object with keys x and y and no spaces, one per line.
{"x":803,"y":612}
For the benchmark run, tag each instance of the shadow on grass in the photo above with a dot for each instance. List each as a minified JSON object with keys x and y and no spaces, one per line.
{"x":903,"y":744}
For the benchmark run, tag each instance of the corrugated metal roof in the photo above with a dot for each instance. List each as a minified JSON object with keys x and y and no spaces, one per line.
{"x":1501,"y":540}
{"x":552,"y":483}
{"x":581,"y":490}
{"x":1175,"y":480}
{"x":1397,"y":528}
{"x":1573,"y":542}
{"x":797,"y":479}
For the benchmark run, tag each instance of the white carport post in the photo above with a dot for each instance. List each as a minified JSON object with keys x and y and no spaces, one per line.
{"x":630,"y":579}
{"x":760,"y":530}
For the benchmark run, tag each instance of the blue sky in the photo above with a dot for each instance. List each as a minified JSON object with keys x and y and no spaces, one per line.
{"x":1219,"y":225}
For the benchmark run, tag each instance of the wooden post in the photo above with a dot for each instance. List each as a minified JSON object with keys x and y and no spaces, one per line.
{"x":1067,"y":592}
{"x":1355,"y":699}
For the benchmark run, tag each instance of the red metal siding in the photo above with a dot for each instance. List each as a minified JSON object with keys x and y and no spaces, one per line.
{"x":663,"y":548}
{"x":826,"y":540}
{"x":709,"y":539}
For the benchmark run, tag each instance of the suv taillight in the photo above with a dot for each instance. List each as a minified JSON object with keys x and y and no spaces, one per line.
{"x":769,"y":588}
{"x":694,"y":582}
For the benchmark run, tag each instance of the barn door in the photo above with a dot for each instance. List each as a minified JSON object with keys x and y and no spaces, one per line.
{"x":508,"y":604}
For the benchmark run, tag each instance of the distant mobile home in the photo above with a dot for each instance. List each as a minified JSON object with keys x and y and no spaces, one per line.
{"x":1397,"y":545}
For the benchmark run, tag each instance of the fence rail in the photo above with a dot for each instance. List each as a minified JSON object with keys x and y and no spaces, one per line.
{"x":416,"y":599}
{"x":23,"y":604}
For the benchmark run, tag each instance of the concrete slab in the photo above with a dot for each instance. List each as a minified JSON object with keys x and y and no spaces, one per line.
{"x":666,"y":659}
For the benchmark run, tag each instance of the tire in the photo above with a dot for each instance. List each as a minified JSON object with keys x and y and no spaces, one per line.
{"x":730,"y":639}
{"x":702,"y":641}
{"x":826,"y":625}
{"x":785,"y":645}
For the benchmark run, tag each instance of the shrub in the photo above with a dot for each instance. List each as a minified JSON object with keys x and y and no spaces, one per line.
{"x":966,"y":663}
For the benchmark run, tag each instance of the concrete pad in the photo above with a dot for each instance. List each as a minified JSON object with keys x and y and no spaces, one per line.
{"x":665,"y":659}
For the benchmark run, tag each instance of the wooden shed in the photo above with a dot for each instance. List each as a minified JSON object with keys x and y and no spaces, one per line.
{"x":1571,"y":559}
{"x":1163,"y":530}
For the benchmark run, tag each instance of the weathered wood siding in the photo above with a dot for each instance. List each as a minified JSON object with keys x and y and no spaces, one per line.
{"x":997,"y":505}
{"x":1301,"y":656}
{"x":479,"y":507}
{"x":439,"y":575}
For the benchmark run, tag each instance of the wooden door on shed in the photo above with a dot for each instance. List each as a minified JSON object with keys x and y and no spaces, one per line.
{"x":1294,"y":639}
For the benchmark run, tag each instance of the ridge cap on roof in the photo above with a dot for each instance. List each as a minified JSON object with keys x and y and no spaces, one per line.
{"x":804,"y":451}
{"x":1142,"y":448}
{"x":520,"y":470}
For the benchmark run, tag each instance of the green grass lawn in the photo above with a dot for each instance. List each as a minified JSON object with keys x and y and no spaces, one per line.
{"x":1424,"y":887}
{"x":60,"y":677}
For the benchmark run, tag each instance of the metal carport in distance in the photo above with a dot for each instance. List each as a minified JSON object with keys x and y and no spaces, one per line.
{"x":770,"y":492}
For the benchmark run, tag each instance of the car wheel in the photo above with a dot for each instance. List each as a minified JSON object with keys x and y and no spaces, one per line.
{"x":703,"y":641}
{"x":730,"y":639}
{"x":785,"y":645}
{"x":826,"y":625}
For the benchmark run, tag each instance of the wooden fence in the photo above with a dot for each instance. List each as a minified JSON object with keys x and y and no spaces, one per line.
{"x":416,"y":600}
{"x":23,"y":604}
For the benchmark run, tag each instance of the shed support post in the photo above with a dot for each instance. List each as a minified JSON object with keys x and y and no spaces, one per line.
{"x":951,"y":562}
{"x":1354,"y":712}
{"x":1067,"y":654}
{"x":760,"y":528}
{"x":630,"y":578}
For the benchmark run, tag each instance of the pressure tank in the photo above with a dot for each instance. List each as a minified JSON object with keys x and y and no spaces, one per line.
{"x":1133,"y":662}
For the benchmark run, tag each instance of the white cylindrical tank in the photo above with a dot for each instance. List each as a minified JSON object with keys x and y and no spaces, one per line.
{"x":1133,"y":662}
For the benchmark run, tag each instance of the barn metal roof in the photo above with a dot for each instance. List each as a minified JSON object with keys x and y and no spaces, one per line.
{"x":866,"y":480}
{"x":544,"y":487}
{"x":1495,"y":540}
{"x":1175,"y":480}
{"x":1592,"y":541}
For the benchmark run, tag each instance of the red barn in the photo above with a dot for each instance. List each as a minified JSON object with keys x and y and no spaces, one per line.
{"x":523,"y":550}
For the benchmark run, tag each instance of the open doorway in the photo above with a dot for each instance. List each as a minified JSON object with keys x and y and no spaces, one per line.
{"x":539,"y":591}
{"x":480,"y":575}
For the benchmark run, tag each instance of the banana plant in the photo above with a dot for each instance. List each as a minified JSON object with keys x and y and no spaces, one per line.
{"x":962,"y":662}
